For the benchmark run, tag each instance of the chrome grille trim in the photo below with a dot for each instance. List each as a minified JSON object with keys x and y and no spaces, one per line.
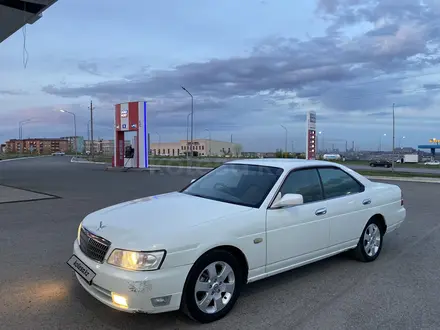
{"x":93,"y":246}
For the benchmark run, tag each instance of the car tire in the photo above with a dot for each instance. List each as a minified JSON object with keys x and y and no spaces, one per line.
{"x":372,"y":234}
{"x":206,"y":283}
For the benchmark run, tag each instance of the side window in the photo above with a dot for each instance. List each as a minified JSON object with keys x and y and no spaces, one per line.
{"x":337,"y":183}
{"x":305,"y":182}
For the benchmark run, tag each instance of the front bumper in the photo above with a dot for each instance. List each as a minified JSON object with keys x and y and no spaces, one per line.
{"x":138,"y":287}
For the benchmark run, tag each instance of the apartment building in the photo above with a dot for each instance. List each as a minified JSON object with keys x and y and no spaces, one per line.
{"x":37,"y":145}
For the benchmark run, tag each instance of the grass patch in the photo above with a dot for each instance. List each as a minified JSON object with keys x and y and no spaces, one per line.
{"x":398,"y":174}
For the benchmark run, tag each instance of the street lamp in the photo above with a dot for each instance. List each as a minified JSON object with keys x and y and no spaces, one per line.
{"x":285,"y":142}
{"x":74,"y":126}
{"x":320,"y":133}
{"x":192,"y":120}
{"x":187,"y":132}
{"x":380,"y":141}
{"x":209,"y":140}
{"x":159,"y":141}
{"x":20,"y":127}
{"x":400,"y":140}
{"x":20,"y":132}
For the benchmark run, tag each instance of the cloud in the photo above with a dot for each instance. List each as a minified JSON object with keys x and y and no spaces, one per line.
{"x":13,"y":92}
{"x":89,"y":67}
{"x":281,"y":76}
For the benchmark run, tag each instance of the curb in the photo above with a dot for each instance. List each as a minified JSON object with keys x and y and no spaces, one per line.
{"x":403,"y":179}
{"x":73,"y":160}
{"x":20,"y":158}
{"x":184,"y":167}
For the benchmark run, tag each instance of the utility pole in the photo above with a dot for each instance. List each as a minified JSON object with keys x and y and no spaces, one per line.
{"x":192,"y":124}
{"x":285,"y":141}
{"x":394,"y":137}
{"x":92,"y":146}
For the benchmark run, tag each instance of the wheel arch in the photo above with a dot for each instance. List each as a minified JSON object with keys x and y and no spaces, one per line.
{"x":381,"y":221}
{"x":235,"y":251}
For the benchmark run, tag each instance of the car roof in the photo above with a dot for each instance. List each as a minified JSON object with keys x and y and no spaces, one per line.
{"x":284,"y":163}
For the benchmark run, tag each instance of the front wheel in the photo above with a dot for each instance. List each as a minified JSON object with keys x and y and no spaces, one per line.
{"x":213,"y":286}
{"x":370,"y":242}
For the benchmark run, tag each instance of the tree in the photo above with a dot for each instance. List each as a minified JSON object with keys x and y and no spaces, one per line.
{"x":237,"y":149}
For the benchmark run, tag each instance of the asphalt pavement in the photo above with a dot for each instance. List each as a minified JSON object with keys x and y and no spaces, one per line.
{"x":399,"y":290}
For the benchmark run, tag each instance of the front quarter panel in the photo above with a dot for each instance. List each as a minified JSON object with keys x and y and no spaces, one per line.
{"x":244,"y":231}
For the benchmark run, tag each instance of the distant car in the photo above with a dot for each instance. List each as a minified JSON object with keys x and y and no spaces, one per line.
{"x":58,"y":153}
{"x":243,"y":221}
{"x":433,"y":162}
{"x":381,"y":163}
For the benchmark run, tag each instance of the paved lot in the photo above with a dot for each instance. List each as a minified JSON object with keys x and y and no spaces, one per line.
{"x":398,"y":291}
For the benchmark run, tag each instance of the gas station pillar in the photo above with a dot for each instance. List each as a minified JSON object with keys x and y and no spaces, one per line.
{"x":131,"y":117}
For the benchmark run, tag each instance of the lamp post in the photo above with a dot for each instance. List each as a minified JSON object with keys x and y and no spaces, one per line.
{"x":20,"y":132}
{"x":209,"y":140}
{"x":159,"y":141}
{"x":74,"y":127}
{"x":20,"y":127}
{"x":192,"y":121}
{"x":394,"y":139}
{"x":187,"y":132}
{"x":400,"y":141}
{"x":285,"y":142}
{"x":380,"y":141}
{"x":320,"y":133}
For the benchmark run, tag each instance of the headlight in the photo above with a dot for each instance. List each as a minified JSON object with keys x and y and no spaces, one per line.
{"x":134,"y":260}
{"x":79,"y":233}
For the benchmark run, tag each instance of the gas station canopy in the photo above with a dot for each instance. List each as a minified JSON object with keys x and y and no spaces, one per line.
{"x":14,"y":14}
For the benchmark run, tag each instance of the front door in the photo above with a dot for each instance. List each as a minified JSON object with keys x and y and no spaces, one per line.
{"x":299,"y":233}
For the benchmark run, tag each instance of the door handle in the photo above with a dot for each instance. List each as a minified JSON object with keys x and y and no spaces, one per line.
{"x":321,"y":211}
{"x":366,"y":201}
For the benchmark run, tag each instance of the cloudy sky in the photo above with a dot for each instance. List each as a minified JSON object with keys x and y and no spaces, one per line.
{"x":252,"y":66}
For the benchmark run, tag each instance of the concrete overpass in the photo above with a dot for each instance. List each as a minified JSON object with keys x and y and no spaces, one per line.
{"x":14,"y":14}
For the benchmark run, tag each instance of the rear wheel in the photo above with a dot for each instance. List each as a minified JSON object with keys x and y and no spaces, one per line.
{"x":370,"y":242}
{"x":372,"y":165}
{"x":213,"y":286}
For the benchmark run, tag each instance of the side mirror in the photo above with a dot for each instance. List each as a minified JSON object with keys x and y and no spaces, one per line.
{"x":193,"y":180}
{"x":288,"y":200}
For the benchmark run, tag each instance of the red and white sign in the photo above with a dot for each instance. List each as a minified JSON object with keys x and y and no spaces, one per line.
{"x":311,"y":135}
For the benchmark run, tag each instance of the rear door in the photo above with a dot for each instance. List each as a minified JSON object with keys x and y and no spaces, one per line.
{"x":347,"y":206}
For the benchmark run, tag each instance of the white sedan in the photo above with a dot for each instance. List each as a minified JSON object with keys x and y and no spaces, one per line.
{"x":243,"y":221}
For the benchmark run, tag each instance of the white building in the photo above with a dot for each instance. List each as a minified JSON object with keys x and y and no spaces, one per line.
{"x":201,"y":147}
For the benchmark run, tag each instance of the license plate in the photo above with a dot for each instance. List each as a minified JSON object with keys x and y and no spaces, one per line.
{"x":81,"y":268}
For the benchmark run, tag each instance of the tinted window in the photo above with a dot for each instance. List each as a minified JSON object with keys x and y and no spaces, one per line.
{"x":338,"y":183}
{"x":304,"y":182}
{"x":241,"y":184}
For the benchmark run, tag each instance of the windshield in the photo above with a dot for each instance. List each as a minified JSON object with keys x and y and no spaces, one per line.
{"x":241,"y":184}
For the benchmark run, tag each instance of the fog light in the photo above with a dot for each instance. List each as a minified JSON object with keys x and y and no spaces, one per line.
{"x":161,"y":301}
{"x":119,"y":300}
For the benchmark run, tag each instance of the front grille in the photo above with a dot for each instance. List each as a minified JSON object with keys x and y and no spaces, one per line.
{"x":93,"y":246}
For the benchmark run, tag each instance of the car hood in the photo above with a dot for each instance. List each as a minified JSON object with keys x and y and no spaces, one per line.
{"x":152,"y":223}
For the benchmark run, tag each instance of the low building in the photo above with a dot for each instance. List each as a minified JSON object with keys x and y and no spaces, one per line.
{"x":100,"y":146}
{"x":40,"y":146}
{"x":201,"y":147}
